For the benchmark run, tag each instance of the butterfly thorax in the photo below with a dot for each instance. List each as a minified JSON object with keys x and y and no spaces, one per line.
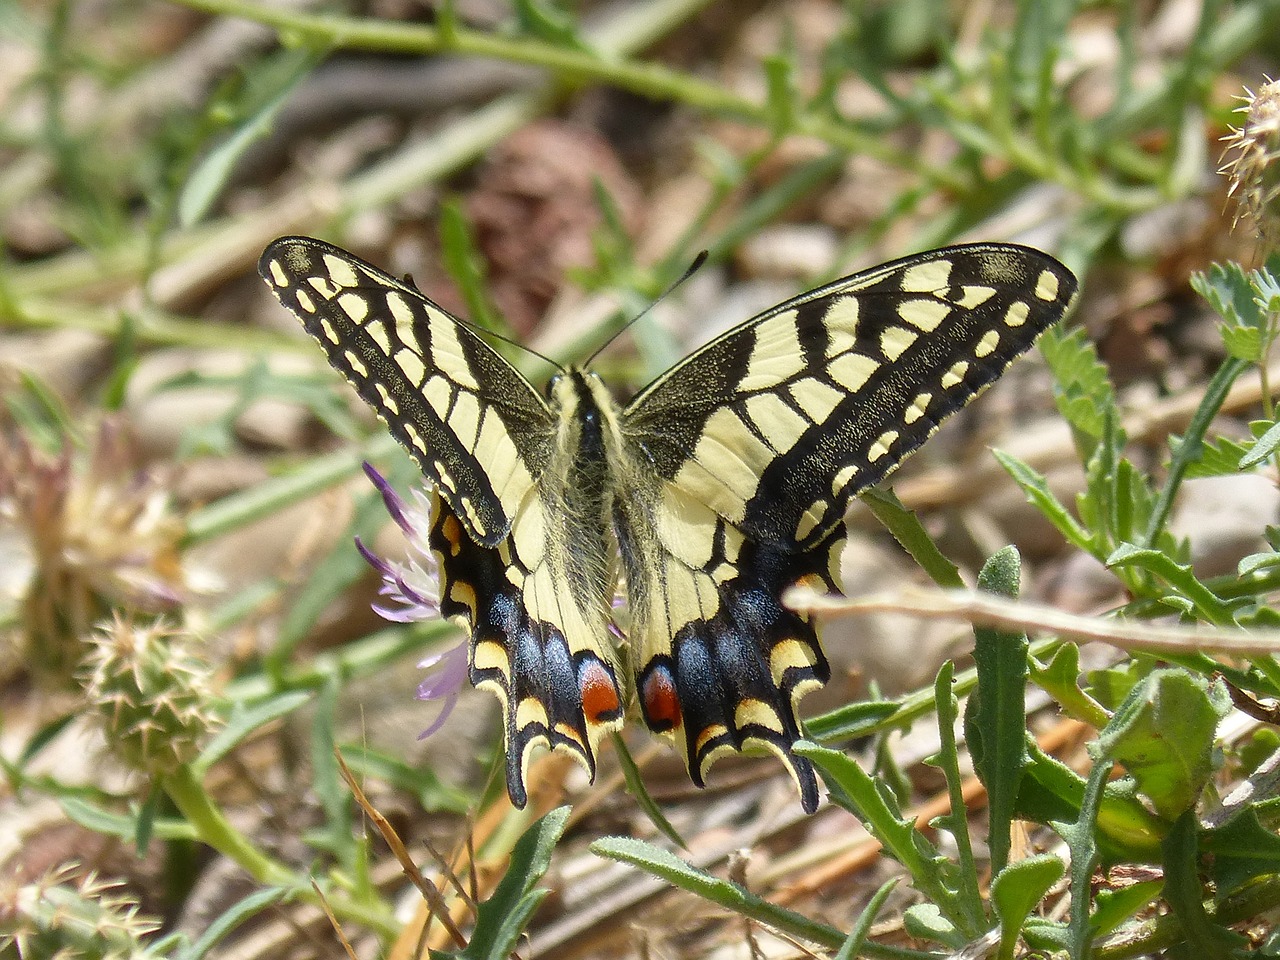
{"x":578,"y":490}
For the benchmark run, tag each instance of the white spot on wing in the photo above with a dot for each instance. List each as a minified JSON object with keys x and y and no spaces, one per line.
{"x":852,"y":370}
{"x":926,"y":277}
{"x":340,"y":271}
{"x":776,"y":356}
{"x":1047,"y":286}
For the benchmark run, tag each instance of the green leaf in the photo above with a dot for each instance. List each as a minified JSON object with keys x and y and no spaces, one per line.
{"x":1190,"y":591}
{"x":1164,"y":734}
{"x":1016,"y":890}
{"x":1230,"y":292}
{"x":244,"y":720}
{"x":1115,"y":905}
{"x":667,"y":866}
{"x":111,"y":824}
{"x":1185,"y":895}
{"x":421,"y":782}
{"x":1084,"y":394}
{"x":1265,"y":446}
{"x":910,"y":533}
{"x":209,"y":177}
{"x":1217,"y":457}
{"x":503,"y":917}
{"x":1054,"y":793}
{"x":862,"y":795}
{"x":465,"y":266}
{"x":635,"y":784}
{"x":956,"y":820}
{"x":240,"y":911}
{"x":548,"y":23}
{"x":1242,"y":849}
{"x":924,"y":921}
{"x":1060,"y":678}
{"x":995,"y":722}
{"x":851,"y":949}
{"x":853,"y":720}
{"x":1037,"y":490}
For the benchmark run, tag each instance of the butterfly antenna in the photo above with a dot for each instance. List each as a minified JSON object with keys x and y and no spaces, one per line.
{"x":694,"y":267}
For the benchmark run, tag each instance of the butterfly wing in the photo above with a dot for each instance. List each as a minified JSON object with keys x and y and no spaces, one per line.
{"x":759,"y":440}
{"x":485,"y":437}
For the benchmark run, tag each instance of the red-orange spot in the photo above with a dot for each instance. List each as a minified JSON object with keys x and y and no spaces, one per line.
{"x":661,"y":705}
{"x":600,"y":701}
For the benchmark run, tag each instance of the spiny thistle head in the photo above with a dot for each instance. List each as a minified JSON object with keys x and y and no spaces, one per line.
{"x":153,"y":696}
{"x":90,"y":534}
{"x":1252,"y":161}
{"x":68,"y":918}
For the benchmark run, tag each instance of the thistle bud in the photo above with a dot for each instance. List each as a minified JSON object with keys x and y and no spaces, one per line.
{"x":1250,"y":162}
{"x":59,"y":916}
{"x":152,"y":694}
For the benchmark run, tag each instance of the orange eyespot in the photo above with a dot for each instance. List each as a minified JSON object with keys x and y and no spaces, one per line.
{"x":600,"y":702}
{"x":659,"y":700}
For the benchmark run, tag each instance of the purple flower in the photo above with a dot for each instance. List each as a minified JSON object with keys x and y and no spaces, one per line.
{"x":412,"y":591}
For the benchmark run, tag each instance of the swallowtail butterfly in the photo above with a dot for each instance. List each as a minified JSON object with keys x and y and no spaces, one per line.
{"x":718,"y":486}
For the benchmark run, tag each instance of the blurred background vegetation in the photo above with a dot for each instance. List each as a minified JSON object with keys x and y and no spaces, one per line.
{"x":209,"y":740}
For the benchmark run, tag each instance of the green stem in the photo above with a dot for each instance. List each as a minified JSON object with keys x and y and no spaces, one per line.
{"x":190,"y":797}
{"x":1189,"y":450}
{"x":600,"y":62}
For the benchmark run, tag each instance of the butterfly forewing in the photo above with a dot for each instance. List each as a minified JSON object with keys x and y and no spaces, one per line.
{"x":725,"y":482}
{"x":476,"y":427}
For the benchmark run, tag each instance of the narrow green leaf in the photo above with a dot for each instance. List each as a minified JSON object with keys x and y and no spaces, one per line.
{"x":1060,"y":679}
{"x":995,"y":721}
{"x":908,"y":531}
{"x":244,"y":909}
{"x":465,"y":266}
{"x":1037,"y":490}
{"x":1265,"y":446}
{"x":1181,"y":577}
{"x":855,"y":790}
{"x":111,"y":824}
{"x":635,"y":784}
{"x":209,"y":177}
{"x":667,"y":866}
{"x":956,"y":821}
{"x":502,"y":918}
{"x":421,"y":782}
{"x":1206,"y":939}
{"x":851,"y":949}
{"x":244,"y":720}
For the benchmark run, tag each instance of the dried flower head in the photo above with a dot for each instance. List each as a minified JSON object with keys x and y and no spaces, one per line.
{"x":87,"y":533}
{"x":61,"y":916}
{"x":412,"y":588}
{"x":1250,"y":161}
{"x":153,"y":695}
